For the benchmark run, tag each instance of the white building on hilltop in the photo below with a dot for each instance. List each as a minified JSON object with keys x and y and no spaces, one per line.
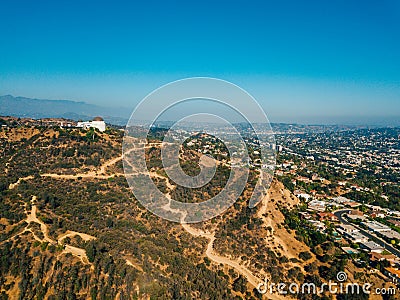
{"x":97,"y":122}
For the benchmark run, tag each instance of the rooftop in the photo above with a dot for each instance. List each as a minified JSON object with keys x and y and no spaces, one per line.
{"x":372,"y":246}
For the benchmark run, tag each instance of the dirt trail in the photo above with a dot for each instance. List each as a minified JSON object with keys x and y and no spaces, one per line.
{"x":76,"y":176}
{"x":130,"y":263}
{"x":81,"y":253}
{"x":14,"y":185}
{"x":100,"y":173}
{"x":210,"y":253}
{"x":31,"y":217}
{"x":78,"y":252}
{"x":253,"y":280}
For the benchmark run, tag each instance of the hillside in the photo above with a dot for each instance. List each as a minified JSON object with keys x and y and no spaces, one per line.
{"x":70,"y":228}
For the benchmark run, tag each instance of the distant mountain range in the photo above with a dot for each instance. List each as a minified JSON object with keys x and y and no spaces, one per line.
{"x":41,"y":108}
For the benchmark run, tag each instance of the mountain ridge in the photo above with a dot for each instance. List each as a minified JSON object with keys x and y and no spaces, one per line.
{"x":45,"y":108}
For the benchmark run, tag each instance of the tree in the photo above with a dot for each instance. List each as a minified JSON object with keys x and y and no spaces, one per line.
{"x":239,"y":284}
{"x":91,"y":251}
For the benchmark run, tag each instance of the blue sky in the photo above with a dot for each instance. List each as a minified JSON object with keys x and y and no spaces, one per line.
{"x":304,"y":61}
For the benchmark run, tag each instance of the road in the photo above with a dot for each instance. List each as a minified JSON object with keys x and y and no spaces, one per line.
{"x":339,"y":214}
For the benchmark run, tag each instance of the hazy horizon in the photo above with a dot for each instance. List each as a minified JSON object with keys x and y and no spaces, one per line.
{"x":303,"y":120}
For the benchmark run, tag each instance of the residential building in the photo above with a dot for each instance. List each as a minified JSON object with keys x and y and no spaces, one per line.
{"x":371,"y":247}
{"x":376,"y":226}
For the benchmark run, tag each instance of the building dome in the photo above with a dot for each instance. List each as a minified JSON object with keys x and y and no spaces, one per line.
{"x":98,"y":119}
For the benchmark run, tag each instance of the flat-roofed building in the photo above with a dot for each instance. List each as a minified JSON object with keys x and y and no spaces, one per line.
{"x":376,"y":226}
{"x":356,"y":237}
{"x":357,"y":217}
{"x":390,"y":234}
{"x":341,"y":199}
{"x":347,"y":228}
{"x":97,"y":122}
{"x":372,"y":247}
{"x":317,"y":205}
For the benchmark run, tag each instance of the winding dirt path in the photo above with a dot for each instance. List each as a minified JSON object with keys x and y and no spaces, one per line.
{"x":14,"y":185}
{"x":78,"y":252}
{"x":253,"y":280}
{"x":210,"y":253}
{"x":81,"y":253}
{"x":100,"y":173}
{"x":31,"y":217}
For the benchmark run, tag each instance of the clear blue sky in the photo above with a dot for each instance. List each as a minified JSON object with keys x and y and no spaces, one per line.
{"x":306,"y":61}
